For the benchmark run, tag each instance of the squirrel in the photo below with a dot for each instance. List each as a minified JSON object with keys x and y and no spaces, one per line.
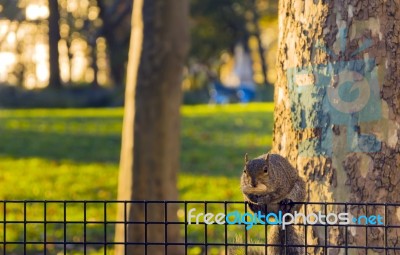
{"x":271,"y":184}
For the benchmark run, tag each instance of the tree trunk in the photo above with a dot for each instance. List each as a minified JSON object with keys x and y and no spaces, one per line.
{"x":337,"y":110}
{"x":261,"y":52}
{"x":54,"y":38}
{"x":114,"y":30}
{"x":93,"y":63}
{"x":151,"y":133}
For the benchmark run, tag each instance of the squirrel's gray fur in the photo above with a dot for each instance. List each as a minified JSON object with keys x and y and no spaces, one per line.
{"x":270,"y":183}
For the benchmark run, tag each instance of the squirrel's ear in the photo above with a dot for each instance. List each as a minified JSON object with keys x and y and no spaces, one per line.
{"x":246,"y":158}
{"x":267,"y":158}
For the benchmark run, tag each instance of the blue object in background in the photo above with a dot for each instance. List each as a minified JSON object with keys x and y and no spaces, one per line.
{"x":221,"y":94}
{"x":245,"y":94}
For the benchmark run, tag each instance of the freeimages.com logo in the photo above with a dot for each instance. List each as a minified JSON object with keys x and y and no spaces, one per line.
{"x":283,"y":219}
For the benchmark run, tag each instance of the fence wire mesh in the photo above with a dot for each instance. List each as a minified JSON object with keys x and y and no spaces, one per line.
{"x":88,"y":227}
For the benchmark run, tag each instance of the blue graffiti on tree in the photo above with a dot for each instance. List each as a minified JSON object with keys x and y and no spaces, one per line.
{"x":343,"y":93}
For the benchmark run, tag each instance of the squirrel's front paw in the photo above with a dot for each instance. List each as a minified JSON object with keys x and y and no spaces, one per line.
{"x":252,"y":198}
{"x":259,"y":200}
{"x":263,"y":200}
{"x":286,"y":205}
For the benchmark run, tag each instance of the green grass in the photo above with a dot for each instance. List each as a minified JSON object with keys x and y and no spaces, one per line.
{"x":74,"y":153}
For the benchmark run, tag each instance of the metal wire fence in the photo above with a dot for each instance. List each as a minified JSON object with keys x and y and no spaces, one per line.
{"x":206,"y":227}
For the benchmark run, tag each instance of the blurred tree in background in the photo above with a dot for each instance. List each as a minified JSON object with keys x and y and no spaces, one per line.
{"x":77,"y":34}
{"x":89,"y":47}
{"x":218,"y":26}
{"x":116,"y":17}
{"x":54,"y":39}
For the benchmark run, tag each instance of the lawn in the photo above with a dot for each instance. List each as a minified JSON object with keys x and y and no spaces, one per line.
{"x":73,"y":154}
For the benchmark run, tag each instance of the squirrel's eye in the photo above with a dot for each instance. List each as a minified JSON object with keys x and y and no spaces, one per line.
{"x":265,"y":169}
{"x":244,"y":171}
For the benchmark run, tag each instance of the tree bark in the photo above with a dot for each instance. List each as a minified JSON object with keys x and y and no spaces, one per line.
{"x":114,"y":29}
{"x":261,"y":52}
{"x":151,"y":128}
{"x":337,"y":110}
{"x":54,"y":38}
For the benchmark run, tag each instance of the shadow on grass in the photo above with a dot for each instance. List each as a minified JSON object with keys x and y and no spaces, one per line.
{"x":214,"y":139}
{"x":58,"y":146}
{"x":215,"y":144}
{"x":216,"y":159}
{"x":199,"y":156}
